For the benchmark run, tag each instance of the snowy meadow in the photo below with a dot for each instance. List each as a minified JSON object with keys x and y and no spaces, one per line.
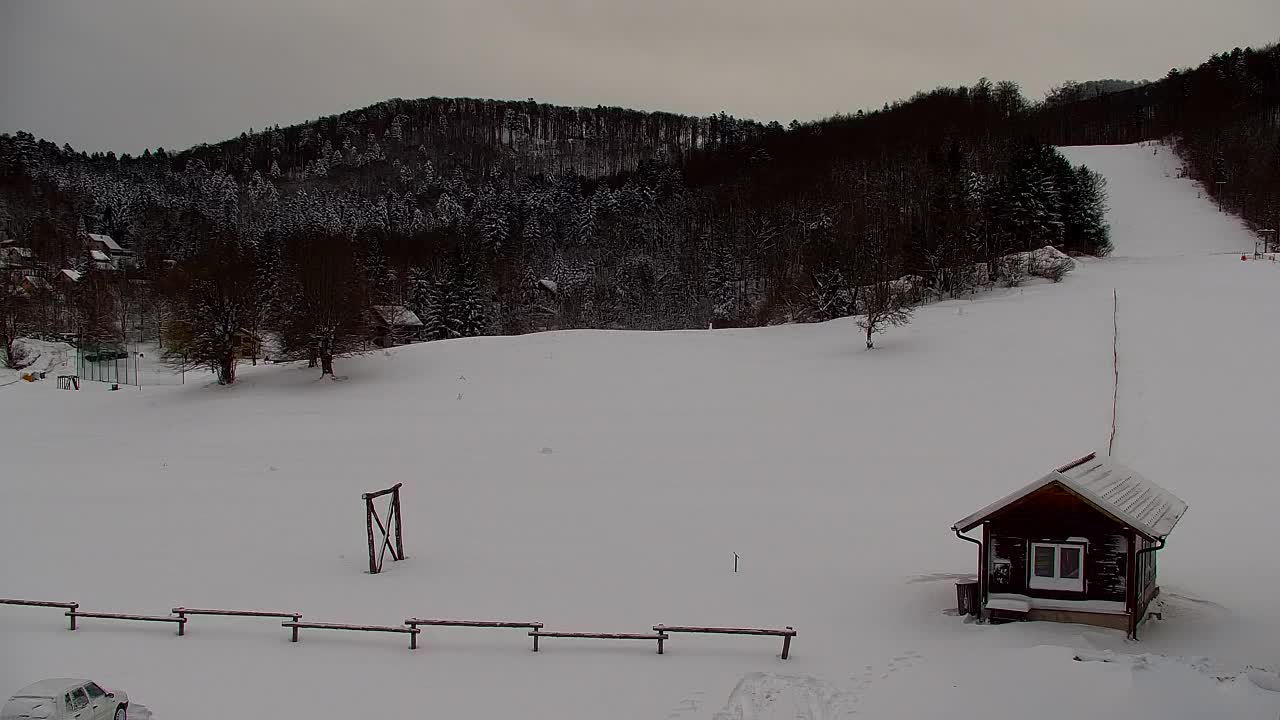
{"x":605,"y":481}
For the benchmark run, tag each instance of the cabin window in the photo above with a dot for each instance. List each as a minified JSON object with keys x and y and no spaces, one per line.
{"x":1057,"y":566}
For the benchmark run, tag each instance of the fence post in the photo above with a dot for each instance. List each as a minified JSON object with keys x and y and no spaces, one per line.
{"x":368,"y":521}
{"x":399,"y":522}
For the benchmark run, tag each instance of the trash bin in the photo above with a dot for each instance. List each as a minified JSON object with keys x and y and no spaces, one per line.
{"x":967,"y":596}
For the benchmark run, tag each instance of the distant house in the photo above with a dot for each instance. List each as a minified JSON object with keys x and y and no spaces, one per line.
{"x":16,"y":261}
{"x":100,"y":260}
{"x":104,"y":243}
{"x":67,"y":278}
{"x":395,"y":325}
{"x":33,"y":286}
{"x":113,"y":252}
{"x":247,"y":344}
{"x":1078,"y":545}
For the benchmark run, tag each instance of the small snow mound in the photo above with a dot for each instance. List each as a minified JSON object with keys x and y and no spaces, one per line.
{"x":1048,"y":255}
{"x":1265,"y":680}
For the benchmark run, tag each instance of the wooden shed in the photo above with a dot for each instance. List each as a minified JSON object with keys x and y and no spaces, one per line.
{"x":395,"y":325}
{"x":1078,"y":545}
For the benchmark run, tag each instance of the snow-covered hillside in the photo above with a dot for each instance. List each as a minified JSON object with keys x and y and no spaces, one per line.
{"x":605,"y":480}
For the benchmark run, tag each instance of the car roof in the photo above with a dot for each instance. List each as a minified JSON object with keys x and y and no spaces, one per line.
{"x":52,"y":687}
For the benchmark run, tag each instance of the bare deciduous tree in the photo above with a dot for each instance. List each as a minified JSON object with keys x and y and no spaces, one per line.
{"x":12,"y":314}
{"x":215,"y":301}
{"x":884,"y":306}
{"x":322,"y":312}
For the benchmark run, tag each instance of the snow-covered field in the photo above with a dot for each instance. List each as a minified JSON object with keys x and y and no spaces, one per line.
{"x":604,"y":481}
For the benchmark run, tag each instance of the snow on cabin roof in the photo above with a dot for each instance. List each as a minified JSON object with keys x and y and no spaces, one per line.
{"x":99,"y":256}
{"x":1111,"y":487}
{"x":72,"y":275}
{"x":38,"y":283}
{"x":397,"y":316}
{"x":107,"y":242}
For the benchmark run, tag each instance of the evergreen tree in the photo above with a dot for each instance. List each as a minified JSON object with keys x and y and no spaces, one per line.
{"x":464,"y":311}
{"x":426,"y":299}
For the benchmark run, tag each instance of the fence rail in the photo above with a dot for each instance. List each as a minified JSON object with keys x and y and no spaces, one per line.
{"x":785,"y":633}
{"x":182,"y":612}
{"x":412,"y":626}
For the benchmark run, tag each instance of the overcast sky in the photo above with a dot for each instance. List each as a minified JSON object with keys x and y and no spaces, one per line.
{"x":130,"y":74}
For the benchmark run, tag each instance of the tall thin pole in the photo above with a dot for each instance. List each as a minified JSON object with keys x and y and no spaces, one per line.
{"x":1115,"y":365}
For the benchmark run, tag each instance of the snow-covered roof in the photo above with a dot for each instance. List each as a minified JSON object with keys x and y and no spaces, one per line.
{"x":397,"y":316}
{"x":99,"y":256}
{"x":50,"y":688}
{"x":107,"y":242}
{"x":72,"y":275}
{"x":37,"y":282}
{"x":1111,"y":487}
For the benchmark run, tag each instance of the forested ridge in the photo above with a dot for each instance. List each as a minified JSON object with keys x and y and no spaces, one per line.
{"x":1223,"y":116}
{"x":487,"y":216}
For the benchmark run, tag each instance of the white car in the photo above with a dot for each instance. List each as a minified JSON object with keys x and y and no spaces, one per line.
{"x":66,"y":699}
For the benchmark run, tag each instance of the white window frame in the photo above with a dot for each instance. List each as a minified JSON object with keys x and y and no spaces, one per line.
{"x":1035,"y":582}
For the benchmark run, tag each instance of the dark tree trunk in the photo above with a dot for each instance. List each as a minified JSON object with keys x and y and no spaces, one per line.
{"x":227,"y":370}
{"x":870,"y":329}
{"x":326,"y":363}
{"x":311,"y":359}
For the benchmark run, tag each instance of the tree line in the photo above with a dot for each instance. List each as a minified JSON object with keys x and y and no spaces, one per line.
{"x":507,"y":217}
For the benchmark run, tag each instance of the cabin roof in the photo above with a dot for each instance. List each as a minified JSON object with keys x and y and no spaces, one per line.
{"x":37,"y":282}
{"x":107,"y":242}
{"x":397,"y":316}
{"x":1112,"y":488}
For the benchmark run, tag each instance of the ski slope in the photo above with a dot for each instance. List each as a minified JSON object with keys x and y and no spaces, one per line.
{"x":605,"y":480}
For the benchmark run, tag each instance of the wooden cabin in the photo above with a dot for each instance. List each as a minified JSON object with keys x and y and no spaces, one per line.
{"x":395,"y":325}
{"x":1078,"y":545}
{"x":246,"y":344}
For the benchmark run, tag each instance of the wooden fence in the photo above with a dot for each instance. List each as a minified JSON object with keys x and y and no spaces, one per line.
{"x":412,"y":627}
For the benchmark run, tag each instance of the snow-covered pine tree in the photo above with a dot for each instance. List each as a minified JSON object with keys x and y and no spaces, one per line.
{"x":426,"y":299}
{"x":1086,"y":215}
{"x":465,"y":313}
